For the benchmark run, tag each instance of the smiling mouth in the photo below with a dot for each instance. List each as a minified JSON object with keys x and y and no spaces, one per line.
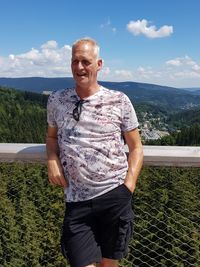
{"x":81,"y":74}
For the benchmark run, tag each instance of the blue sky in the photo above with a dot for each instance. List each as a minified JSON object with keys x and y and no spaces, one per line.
{"x":151,"y":41}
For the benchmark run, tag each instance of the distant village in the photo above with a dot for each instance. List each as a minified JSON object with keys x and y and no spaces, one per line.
{"x":147,"y":133}
{"x":152,"y":128}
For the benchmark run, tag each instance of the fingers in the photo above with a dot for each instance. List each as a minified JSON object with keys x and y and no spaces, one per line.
{"x":55,"y":173}
{"x":58,"y":180}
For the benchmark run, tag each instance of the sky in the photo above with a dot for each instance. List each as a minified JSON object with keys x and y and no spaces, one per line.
{"x":150,"y":41}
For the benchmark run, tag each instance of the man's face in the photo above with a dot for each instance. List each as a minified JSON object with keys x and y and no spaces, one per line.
{"x":85,"y":65}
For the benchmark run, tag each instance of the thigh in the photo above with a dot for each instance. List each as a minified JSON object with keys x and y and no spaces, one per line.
{"x":79,"y":244}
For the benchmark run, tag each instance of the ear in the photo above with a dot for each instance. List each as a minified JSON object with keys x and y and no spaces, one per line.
{"x":99,"y":64}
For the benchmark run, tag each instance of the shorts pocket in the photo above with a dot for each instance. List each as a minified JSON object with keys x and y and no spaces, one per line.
{"x":125,"y":231}
{"x":63,"y":247}
{"x":126,"y":189}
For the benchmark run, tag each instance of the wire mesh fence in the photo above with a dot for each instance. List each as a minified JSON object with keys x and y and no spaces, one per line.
{"x":166,"y":225}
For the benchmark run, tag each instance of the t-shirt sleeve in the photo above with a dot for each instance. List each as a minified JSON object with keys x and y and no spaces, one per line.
{"x":51,"y":111}
{"x":129,"y":117}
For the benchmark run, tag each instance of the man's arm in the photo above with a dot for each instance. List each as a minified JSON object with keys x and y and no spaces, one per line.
{"x":135,"y":158}
{"x":55,"y":171}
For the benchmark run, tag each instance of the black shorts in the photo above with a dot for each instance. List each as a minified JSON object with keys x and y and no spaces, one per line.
{"x":96,"y":228}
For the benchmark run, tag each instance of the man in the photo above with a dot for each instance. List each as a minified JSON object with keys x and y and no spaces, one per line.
{"x":86,"y":156}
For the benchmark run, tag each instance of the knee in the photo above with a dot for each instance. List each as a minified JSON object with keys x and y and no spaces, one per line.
{"x":108,"y":263}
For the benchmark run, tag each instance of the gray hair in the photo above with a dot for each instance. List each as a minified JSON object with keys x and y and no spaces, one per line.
{"x":88,"y":40}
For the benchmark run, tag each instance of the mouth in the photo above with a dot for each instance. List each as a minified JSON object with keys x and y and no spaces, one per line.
{"x":81,"y":74}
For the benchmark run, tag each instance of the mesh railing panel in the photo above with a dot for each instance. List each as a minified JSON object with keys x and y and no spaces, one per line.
{"x":166,"y":225}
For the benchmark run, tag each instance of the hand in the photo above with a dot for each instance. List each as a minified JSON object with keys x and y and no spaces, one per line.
{"x":55,"y":173}
{"x":130,"y":183}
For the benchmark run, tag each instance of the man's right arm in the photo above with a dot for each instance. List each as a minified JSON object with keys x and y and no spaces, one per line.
{"x":55,"y":171}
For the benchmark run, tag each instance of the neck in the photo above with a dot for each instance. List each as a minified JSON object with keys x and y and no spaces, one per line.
{"x":84,"y":92}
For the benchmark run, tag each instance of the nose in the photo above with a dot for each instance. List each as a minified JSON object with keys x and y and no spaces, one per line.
{"x":80,"y":65}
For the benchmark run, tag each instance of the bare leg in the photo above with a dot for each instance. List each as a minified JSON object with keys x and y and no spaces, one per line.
{"x":108,"y":263}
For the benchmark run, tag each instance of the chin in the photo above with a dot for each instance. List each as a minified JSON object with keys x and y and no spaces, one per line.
{"x":82,"y":83}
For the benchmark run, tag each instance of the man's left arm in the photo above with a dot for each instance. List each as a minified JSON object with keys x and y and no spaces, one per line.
{"x":135,"y":158}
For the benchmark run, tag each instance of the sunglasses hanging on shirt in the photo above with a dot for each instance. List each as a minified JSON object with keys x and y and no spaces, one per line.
{"x":77,"y":110}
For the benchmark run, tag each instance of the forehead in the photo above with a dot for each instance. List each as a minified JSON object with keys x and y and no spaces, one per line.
{"x":83,"y":49}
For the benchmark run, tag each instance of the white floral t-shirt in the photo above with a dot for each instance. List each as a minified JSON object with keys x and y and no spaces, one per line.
{"x":91,"y":149}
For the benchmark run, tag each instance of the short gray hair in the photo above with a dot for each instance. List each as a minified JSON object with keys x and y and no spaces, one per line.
{"x":88,"y":40}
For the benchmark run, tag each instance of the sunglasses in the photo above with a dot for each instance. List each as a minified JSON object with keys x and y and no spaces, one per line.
{"x":77,"y":110}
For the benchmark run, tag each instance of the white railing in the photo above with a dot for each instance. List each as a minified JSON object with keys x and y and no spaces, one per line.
{"x":153,"y":155}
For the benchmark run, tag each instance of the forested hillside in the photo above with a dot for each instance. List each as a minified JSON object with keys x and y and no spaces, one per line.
{"x":22,"y":116}
{"x":23,"y":119}
{"x":185,"y":118}
{"x":187,"y":136}
{"x":186,"y":125}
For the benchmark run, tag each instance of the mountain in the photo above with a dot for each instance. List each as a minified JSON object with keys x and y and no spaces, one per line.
{"x":167,"y":97}
{"x":37,"y":84}
{"x":193,"y":90}
{"x":40,"y":84}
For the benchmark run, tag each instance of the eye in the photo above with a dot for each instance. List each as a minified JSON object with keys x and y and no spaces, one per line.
{"x":75,"y":61}
{"x":85,"y":62}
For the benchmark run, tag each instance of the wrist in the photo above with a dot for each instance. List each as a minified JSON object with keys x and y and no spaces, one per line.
{"x":130,"y":182}
{"x":52,"y":156}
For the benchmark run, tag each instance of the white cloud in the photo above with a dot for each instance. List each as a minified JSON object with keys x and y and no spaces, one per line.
{"x":177,"y":72}
{"x":114,"y":30}
{"x":186,"y":75}
{"x":108,"y":74}
{"x":49,"y":60}
{"x":174,"y":62}
{"x":141,"y":27}
{"x":183,"y":62}
{"x":141,"y":69}
{"x":107,"y":25}
{"x":105,"y":70}
{"x":196,"y":67}
{"x":126,"y":74}
{"x":50,"y":45}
